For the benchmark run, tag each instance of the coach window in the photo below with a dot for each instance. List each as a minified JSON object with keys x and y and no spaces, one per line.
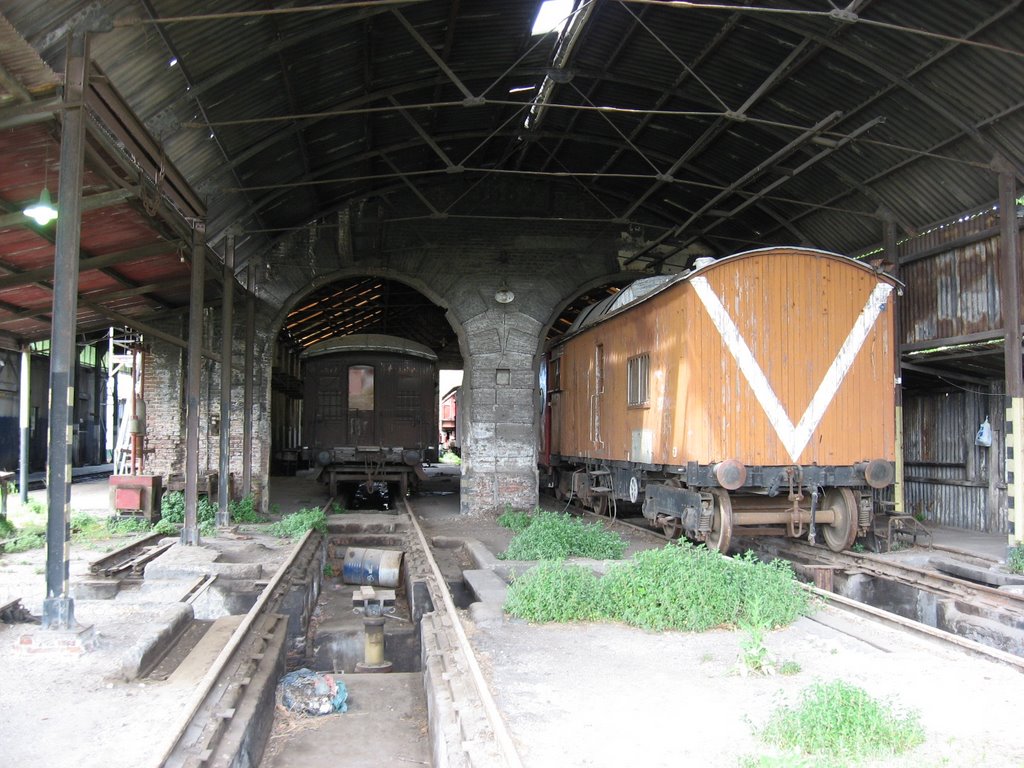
{"x":638,"y":373}
{"x":360,"y":388}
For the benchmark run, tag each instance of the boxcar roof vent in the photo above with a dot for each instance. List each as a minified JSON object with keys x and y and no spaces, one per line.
{"x":632,"y":292}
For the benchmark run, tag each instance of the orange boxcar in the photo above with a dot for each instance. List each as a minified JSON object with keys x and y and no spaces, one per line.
{"x":753,"y":395}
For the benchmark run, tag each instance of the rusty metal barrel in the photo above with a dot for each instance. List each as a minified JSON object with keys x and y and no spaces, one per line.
{"x":376,"y":567}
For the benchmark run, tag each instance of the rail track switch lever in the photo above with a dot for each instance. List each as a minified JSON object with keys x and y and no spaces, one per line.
{"x":374,"y":604}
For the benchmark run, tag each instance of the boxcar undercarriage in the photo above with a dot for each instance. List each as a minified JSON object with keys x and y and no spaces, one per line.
{"x":715,"y":503}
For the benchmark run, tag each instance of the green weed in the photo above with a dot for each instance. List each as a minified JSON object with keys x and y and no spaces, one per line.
{"x":555,"y":591}
{"x":244,"y":511}
{"x":516,"y":520}
{"x":754,"y":654}
{"x":296,"y":524}
{"x":166,"y":527}
{"x":679,"y":587}
{"x":450,"y":458}
{"x":1015,"y":559}
{"x":6,"y":528}
{"x":28,"y":537}
{"x":840,"y":725}
{"x":554,"y":536}
{"x":172,"y":509}
{"x":789,"y":668}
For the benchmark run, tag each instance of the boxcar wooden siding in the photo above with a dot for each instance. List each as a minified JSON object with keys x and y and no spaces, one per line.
{"x":404,"y":399}
{"x":794,"y":309}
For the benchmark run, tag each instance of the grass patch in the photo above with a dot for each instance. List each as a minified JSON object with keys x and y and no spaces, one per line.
{"x":172,"y":510}
{"x":1015,"y":559}
{"x":840,"y":724}
{"x":554,"y":591}
{"x":31,"y":536}
{"x":516,"y":520}
{"x":555,"y":536}
{"x":448,"y":457}
{"x":296,"y":524}
{"x":680,"y":587}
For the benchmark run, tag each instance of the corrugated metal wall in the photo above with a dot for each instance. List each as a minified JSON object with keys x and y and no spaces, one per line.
{"x":951,"y":274}
{"x":948,"y":479}
{"x":952,"y":278}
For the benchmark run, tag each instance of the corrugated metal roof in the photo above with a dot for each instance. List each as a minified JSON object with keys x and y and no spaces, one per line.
{"x":690,"y":124}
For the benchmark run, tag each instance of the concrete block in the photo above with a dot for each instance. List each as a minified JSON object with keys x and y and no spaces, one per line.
{"x":486,"y":586}
{"x":96,"y":589}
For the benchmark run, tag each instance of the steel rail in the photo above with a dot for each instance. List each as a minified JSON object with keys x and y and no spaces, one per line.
{"x":935,"y":581}
{"x":210,"y":688}
{"x":877,"y":614}
{"x":113,"y":560}
{"x":501,"y":734}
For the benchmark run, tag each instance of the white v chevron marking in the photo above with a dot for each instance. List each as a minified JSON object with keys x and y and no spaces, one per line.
{"x":794,"y":438}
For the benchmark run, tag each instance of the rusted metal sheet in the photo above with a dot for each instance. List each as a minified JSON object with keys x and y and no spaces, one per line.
{"x":953,"y":294}
{"x":950,"y":480}
{"x":738,"y":352}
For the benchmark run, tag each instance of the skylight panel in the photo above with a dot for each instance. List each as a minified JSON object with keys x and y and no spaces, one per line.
{"x":552,"y":16}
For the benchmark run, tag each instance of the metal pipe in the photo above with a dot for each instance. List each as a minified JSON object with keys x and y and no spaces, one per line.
{"x":134,"y":423}
{"x":190,"y":533}
{"x":248,"y":374}
{"x":227,"y":319}
{"x":58,"y":606}
{"x":773,"y":517}
{"x":24,"y":407}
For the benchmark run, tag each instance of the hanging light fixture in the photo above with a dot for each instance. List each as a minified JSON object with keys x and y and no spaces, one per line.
{"x":43,"y":211}
{"x":504,"y":294}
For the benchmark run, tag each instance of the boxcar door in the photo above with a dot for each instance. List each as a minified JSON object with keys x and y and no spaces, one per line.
{"x":361,"y":425}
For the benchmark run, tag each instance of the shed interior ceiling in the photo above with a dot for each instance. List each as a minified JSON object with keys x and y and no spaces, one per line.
{"x":680,"y":128}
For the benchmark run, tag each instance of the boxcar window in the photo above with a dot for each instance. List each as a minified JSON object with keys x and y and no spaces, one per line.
{"x":360,"y":388}
{"x":638,"y":373}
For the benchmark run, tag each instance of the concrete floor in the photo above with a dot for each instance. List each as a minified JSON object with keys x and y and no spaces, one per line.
{"x":386,"y":724}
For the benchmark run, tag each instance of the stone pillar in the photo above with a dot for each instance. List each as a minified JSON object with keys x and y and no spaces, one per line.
{"x":499,"y":453}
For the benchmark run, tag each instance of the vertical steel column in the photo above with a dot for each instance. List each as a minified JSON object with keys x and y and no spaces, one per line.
{"x":226,"y":328}
{"x":190,"y":533}
{"x":58,"y":606}
{"x":892,"y":255}
{"x":24,"y":408}
{"x":96,"y":454}
{"x":1009,"y":247}
{"x":110,"y":443}
{"x":248,"y":374}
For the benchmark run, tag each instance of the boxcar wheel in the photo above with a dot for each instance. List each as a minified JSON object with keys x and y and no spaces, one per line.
{"x":600,"y":505}
{"x":721,"y":521}
{"x":673,"y":529}
{"x":841,"y":534}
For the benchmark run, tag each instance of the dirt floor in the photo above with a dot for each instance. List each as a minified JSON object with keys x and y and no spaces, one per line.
{"x":578,"y":695}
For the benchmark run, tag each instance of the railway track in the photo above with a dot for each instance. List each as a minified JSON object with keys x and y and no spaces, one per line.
{"x":983,"y":620}
{"x":245,"y":673}
{"x":937,"y":582}
{"x":243,"y":678}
